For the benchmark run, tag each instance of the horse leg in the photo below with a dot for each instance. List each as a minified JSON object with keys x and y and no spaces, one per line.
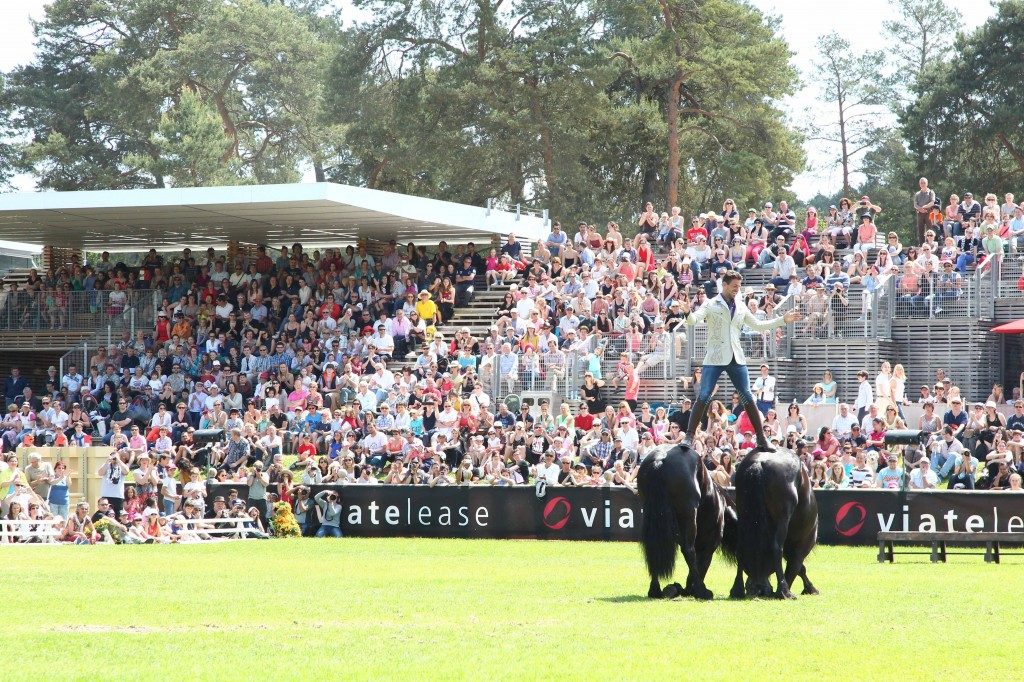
{"x":808,"y":587}
{"x":694,"y":582}
{"x":795,"y":567}
{"x":779,"y":543}
{"x":655,"y":590}
{"x":737,"y":591}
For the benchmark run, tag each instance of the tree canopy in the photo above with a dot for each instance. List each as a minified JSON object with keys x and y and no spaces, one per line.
{"x":583,"y":107}
{"x":121,"y":93}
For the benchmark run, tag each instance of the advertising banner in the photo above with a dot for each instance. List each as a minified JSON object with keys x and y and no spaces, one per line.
{"x":851,"y":517}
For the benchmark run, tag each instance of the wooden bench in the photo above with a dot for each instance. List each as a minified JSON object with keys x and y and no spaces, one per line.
{"x":938,"y":541}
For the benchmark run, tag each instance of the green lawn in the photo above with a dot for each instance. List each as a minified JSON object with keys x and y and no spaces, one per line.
{"x":409,"y":608}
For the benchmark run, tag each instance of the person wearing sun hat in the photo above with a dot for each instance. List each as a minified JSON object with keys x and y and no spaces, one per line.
{"x":427,"y":309}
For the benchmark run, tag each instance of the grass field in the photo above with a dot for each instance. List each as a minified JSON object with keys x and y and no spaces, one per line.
{"x":412,"y":608}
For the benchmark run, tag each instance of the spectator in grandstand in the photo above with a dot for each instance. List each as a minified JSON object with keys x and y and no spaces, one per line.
{"x":892,"y":475}
{"x":964,"y":472}
{"x":843,"y":422}
{"x":924,"y":201}
{"x":866,"y":232}
{"x":861,"y":475}
{"x":1015,"y":235}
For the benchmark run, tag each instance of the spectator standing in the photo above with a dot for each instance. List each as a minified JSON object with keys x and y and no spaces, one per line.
{"x":924,"y":201}
{"x":865,"y":397}
{"x":113,"y":472}
{"x":764,"y":390}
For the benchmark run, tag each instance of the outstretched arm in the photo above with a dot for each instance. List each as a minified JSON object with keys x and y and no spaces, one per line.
{"x":759,"y":325}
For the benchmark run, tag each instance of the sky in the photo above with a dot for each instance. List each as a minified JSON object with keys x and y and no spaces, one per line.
{"x":803,"y":21}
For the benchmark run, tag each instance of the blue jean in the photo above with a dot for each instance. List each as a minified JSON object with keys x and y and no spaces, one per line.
{"x":943,"y":465}
{"x":328,"y":531}
{"x":168,"y":507}
{"x":738,"y":375}
{"x":962,"y":261}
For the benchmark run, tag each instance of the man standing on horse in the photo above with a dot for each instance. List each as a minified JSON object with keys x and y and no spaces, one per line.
{"x":726,"y":315}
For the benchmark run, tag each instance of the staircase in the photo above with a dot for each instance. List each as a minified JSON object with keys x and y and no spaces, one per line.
{"x":16,"y":276}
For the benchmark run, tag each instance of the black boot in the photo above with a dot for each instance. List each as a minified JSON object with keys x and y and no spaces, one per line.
{"x":697,"y":414}
{"x":754,"y":415}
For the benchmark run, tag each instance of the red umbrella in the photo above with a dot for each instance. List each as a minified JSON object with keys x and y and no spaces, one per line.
{"x":1010,"y":328}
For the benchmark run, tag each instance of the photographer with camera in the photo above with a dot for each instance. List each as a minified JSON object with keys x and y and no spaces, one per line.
{"x":304,"y":510}
{"x":258,"y":482}
{"x":328,"y":508}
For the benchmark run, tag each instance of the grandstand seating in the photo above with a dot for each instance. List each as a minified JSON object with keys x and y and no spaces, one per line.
{"x":843,"y":340}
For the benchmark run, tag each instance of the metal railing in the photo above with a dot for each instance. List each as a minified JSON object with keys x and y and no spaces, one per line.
{"x":852,"y":313}
{"x":141,"y":314}
{"x":938,"y":295}
{"x":50,"y":309}
{"x":1011,"y":269}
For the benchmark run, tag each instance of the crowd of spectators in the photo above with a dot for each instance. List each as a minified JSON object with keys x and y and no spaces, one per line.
{"x":337,"y":359}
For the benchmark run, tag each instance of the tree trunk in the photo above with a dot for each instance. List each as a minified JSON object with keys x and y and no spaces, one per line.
{"x":672,"y":119}
{"x":844,"y":149}
{"x":547,"y":152}
{"x":651,"y":188}
{"x":1018,"y":155}
{"x":318,"y":171}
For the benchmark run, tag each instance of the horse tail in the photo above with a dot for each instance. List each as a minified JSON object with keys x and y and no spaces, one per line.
{"x":660,"y":528}
{"x":754,"y":532}
{"x":730,"y":534}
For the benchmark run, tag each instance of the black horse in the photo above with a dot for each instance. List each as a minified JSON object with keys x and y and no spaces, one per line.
{"x":778,"y":518}
{"x":682,"y":507}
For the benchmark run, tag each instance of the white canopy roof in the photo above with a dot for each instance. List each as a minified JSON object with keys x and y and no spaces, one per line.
{"x":315,"y":214}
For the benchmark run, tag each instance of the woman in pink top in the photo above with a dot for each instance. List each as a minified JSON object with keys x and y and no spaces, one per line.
{"x":491,"y":267}
{"x":866,"y":232}
{"x":626,"y":269}
{"x":810,"y":233}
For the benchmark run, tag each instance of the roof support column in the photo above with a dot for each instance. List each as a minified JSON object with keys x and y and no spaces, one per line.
{"x":55,"y":258}
{"x":232,"y":251}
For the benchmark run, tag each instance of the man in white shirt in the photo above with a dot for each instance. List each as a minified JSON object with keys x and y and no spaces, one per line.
{"x":218,"y":273}
{"x":725,"y":316}
{"x":547,"y":470}
{"x":1016,"y":237}
{"x":72,"y":381}
{"x":524,"y":304}
{"x":382,"y":342}
{"x":764,"y":390}
{"x":865,"y":397}
{"x":590,"y":285}
{"x":867,"y":423}
{"x":945,"y":450}
{"x":375,"y":440}
{"x":923,"y":478}
{"x":843,"y":422}
{"x":367,"y":399}
{"x":783,"y":268}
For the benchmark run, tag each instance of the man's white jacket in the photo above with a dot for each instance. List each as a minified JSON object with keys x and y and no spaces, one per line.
{"x":724,"y":329}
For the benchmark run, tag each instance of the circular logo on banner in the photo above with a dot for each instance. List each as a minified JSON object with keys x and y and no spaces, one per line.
{"x":850,"y":518}
{"x":556,"y":513}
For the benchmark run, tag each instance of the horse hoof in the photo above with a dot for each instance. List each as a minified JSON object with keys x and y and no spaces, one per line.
{"x":654,"y":594}
{"x":737,"y":593}
{"x":784,"y":594}
{"x":703,"y":594}
{"x":810,"y":591}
